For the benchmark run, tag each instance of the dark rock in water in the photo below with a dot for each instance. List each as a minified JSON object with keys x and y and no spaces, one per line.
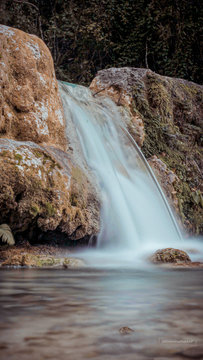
{"x":170,"y":255}
{"x":126,"y":330}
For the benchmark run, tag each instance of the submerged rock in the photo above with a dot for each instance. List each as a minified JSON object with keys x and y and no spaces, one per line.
{"x":126,"y":330}
{"x":171,"y":110}
{"x":30,"y":106}
{"x":170,"y":255}
{"x":43,"y":261}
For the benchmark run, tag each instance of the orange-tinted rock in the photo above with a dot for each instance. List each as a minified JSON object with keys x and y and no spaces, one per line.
{"x":41,"y":190}
{"x":115,"y":84}
{"x":30,"y":106}
{"x":170,"y":255}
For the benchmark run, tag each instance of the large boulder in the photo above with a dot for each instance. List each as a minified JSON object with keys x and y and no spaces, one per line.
{"x":41,"y":190}
{"x":44,"y":193}
{"x":171,"y":111}
{"x":30,"y":106}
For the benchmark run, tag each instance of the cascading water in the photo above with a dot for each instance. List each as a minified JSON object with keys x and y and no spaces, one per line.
{"x":134,"y":211}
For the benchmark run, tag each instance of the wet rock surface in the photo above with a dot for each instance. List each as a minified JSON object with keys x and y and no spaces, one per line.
{"x":167,"y":179}
{"x":42,"y":261}
{"x":125,"y":330}
{"x":114,"y":83}
{"x":38,"y":256}
{"x":170,"y":255}
{"x":171,"y":111}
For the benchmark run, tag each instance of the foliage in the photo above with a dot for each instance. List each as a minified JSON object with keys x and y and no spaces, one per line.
{"x":85,"y":36}
{"x":6,"y":235}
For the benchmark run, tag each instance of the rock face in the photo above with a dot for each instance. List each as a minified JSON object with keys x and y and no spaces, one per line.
{"x":167,"y":179}
{"x":171,"y":111}
{"x":115,"y":84}
{"x":170,"y":255}
{"x":30,"y":106}
{"x":41,"y":189}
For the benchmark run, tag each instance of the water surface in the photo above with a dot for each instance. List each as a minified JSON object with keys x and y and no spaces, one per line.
{"x":62,"y":314}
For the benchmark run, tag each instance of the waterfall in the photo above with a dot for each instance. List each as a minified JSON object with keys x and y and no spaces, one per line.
{"x":134,"y":211}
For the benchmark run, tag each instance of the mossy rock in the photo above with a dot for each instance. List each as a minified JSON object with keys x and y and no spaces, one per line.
{"x":41,"y":190}
{"x":42,"y":261}
{"x":170,"y":255}
{"x":171,"y":110}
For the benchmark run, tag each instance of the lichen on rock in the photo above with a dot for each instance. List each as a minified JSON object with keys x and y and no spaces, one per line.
{"x":42,"y":261}
{"x":170,"y":255}
{"x":37,"y":191}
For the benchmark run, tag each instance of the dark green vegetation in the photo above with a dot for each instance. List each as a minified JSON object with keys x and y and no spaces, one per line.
{"x":85,"y":36}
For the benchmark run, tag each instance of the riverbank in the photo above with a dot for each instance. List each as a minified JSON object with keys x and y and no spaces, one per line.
{"x":40,"y":256}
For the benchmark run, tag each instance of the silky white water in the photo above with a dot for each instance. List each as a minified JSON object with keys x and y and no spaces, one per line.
{"x":134,"y":212}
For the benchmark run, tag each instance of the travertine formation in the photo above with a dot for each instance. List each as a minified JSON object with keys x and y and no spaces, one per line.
{"x":30,"y":106}
{"x":115,"y":84}
{"x":170,"y":126}
{"x":41,"y":189}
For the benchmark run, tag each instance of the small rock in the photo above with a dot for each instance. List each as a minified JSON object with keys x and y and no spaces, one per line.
{"x":170,"y":255}
{"x":126,"y":330}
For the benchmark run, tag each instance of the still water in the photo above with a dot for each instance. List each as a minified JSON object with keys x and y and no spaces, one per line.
{"x":63,"y":314}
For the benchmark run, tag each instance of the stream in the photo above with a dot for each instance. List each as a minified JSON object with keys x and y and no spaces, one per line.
{"x":77,"y":314}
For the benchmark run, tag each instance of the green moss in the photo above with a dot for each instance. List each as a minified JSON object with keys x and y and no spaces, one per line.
{"x":164,"y":104}
{"x":18,"y":157}
{"x":37,"y":153}
{"x":50,"y":210}
{"x":4,"y":153}
{"x":35,"y":209}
